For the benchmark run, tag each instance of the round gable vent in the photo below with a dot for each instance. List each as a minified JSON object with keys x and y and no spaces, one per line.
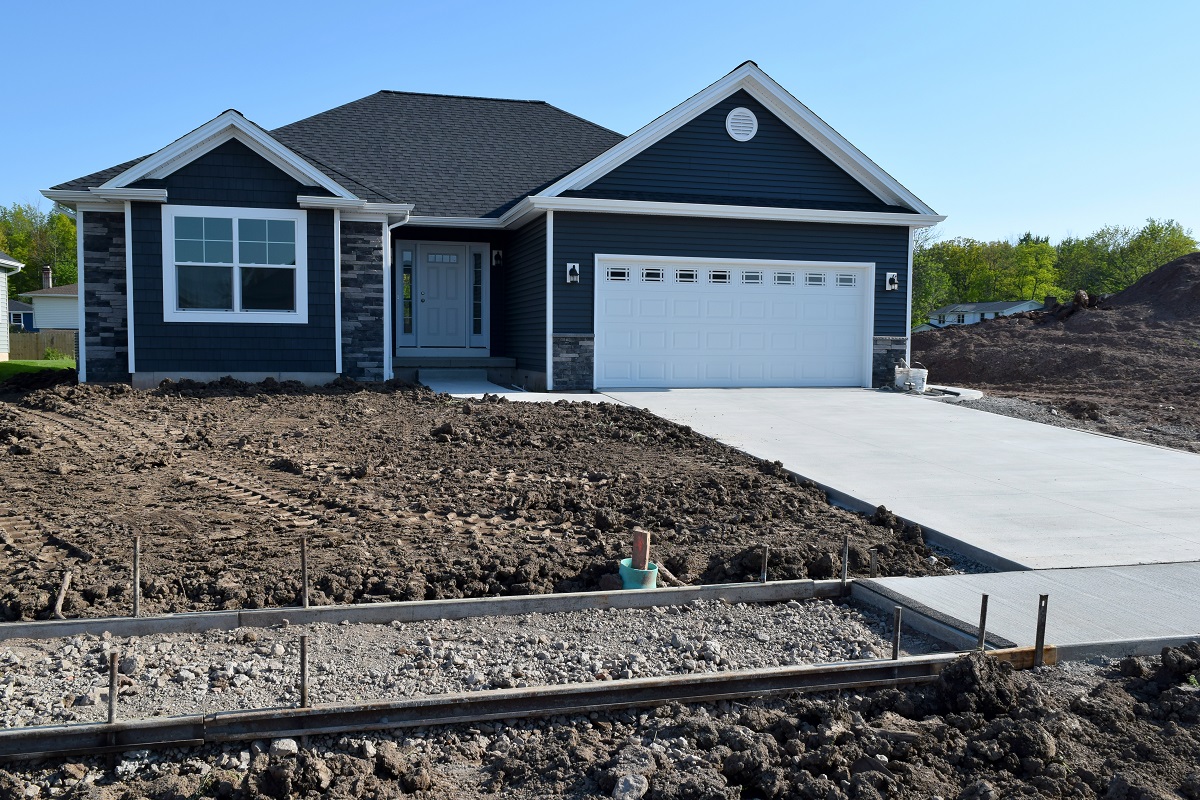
{"x":741,"y":124}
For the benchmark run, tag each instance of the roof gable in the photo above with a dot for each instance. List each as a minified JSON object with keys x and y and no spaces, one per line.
{"x":230,"y":125}
{"x":761,"y":87}
{"x":701,"y":162}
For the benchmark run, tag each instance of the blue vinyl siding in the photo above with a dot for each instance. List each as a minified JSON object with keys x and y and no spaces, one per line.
{"x":230,"y":347}
{"x":700,"y":162}
{"x":579,"y":237}
{"x":524,"y":295}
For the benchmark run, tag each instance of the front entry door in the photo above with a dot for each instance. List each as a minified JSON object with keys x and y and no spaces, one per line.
{"x":442,"y":296}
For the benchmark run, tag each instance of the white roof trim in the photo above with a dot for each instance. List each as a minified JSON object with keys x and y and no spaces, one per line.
{"x":72,"y":198}
{"x":11,"y":265}
{"x":763,"y":88}
{"x":229,"y":125}
{"x":604,"y":206}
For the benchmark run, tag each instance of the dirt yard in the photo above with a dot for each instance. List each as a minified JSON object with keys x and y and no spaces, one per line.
{"x":1129,"y":365}
{"x":1119,"y":731}
{"x":404,"y":495}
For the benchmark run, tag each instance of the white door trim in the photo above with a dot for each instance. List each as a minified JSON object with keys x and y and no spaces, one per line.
{"x":866,"y":267}
{"x":402,"y":344}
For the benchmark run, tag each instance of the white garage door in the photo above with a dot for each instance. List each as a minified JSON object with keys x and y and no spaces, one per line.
{"x":721,"y":323}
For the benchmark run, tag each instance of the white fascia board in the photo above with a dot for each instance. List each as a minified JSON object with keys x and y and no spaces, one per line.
{"x":764,"y":89}
{"x":482,"y":223}
{"x":103,"y":199}
{"x":603,"y":206}
{"x":353,"y":204}
{"x":228,"y":125}
{"x":11,"y":266}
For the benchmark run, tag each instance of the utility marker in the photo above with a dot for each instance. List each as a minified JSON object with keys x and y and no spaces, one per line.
{"x":641,"y":549}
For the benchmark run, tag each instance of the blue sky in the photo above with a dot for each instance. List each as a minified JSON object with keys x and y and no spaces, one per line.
{"x":1057,"y":117}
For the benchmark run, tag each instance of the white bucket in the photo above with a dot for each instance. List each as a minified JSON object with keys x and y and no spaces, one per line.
{"x":911,"y":378}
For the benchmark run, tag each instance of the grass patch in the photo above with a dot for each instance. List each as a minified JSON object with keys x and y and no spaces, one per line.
{"x":10,"y":368}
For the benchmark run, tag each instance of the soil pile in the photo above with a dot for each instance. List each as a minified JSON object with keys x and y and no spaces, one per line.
{"x":402,"y":494}
{"x":1128,"y":364}
{"x":41,"y":379}
{"x":981,"y":732}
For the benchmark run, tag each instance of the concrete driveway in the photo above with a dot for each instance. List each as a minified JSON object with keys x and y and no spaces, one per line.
{"x":1011,"y":493}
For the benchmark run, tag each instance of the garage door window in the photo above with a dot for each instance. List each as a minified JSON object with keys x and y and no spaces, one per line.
{"x":846,"y":281}
{"x":752,"y":277}
{"x":618,"y":274}
{"x":815,"y":279}
{"x":718,"y":276}
{"x":652,"y":275}
{"x":784,"y":278}
{"x":685,"y":276}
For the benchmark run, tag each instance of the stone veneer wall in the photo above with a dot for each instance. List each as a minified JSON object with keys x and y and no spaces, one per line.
{"x":362,"y":300}
{"x":574,"y":361}
{"x":105,"y":309}
{"x":886,"y":353}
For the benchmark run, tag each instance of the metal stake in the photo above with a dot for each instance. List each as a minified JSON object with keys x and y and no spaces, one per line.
{"x":981,"y":644}
{"x":137,"y":576}
{"x":896,"y":634}
{"x":845,"y":560}
{"x":1039,"y":645}
{"x":304,"y":569}
{"x":304,"y":671}
{"x":762,"y":577}
{"x":112,"y":687}
{"x":874,"y":563}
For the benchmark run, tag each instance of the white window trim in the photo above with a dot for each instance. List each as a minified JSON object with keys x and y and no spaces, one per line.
{"x":170,"y":297}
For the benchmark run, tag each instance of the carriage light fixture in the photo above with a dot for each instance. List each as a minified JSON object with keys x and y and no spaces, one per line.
{"x":572,"y":273}
{"x":892,"y":283}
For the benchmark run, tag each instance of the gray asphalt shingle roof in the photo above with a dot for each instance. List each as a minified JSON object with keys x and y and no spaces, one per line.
{"x":448,"y":155}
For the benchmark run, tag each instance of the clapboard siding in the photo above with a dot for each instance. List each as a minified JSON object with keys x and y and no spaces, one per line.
{"x":229,"y":346}
{"x":579,"y":237}
{"x":777,"y":166}
{"x":525,"y":296}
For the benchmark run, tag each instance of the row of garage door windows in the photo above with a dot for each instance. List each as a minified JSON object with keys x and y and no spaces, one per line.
{"x":660,"y":275}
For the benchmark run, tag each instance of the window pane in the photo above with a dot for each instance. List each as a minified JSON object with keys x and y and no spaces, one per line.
{"x":218,"y":228}
{"x":205,"y":287}
{"x":252,"y":230}
{"x":252,"y":252}
{"x":189,"y":228}
{"x":188,"y":250}
{"x":281,"y":253}
{"x":265,"y":289}
{"x":218,"y":252}
{"x":281,"y":230}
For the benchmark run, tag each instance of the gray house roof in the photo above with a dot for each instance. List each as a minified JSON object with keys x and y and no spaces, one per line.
{"x":66,"y":290}
{"x":9,"y":263}
{"x":17,"y":307}
{"x":448,"y":155}
{"x":982,"y":308}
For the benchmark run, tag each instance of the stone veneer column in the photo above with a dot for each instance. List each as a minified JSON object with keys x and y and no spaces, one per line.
{"x":574,"y":361}
{"x":362,"y":300}
{"x":105,"y":309}
{"x":886,"y":353}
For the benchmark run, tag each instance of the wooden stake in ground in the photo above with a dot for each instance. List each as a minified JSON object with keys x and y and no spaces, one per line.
{"x":62,"y":595}
{"x":641,"y":549}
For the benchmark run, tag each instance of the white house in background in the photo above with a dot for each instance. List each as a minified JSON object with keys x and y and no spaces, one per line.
{"x":54,"y":307}
{"x":8,"y":266}
{"x":970,"y":313}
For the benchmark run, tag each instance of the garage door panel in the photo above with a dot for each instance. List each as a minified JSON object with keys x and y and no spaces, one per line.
{"x":728,"y":324}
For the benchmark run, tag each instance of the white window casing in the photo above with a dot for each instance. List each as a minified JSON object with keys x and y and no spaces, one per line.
{"x":171,"y":310}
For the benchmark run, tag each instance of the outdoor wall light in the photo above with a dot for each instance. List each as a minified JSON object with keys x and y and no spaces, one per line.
{"x":892,"y":282}
{"x":572,"y":273}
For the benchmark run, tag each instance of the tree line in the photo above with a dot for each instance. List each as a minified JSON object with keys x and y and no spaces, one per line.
{"x":965,"y":270}
{"x":37,"y":238}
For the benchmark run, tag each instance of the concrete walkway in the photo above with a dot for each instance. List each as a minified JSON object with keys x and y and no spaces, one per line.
{"x":1008,"y":492}
{"x":1108,"y":610}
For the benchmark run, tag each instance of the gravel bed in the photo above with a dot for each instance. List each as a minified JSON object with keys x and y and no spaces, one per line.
{"x":53,"y":681}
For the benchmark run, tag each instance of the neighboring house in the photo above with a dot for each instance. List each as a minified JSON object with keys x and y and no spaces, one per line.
{"x":8,"y":266}
{"x":970,"y":313}
{"x":736,"y":240}
{"x":54,"y":307}
{"x":20,"y":315}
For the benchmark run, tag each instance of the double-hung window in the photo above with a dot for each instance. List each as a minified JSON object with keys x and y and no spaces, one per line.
{"x":234,"y":265}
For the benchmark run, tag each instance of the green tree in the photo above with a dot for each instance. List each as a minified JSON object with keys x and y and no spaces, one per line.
{"x":1115,"y":256}
{"x":38,"y":238}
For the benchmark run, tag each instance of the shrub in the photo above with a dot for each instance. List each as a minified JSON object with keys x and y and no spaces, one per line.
{"x":54,"y":354}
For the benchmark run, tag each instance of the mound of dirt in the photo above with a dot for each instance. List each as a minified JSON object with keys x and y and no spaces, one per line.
{"x":24,"y":382}
{"x":1128,"y":364}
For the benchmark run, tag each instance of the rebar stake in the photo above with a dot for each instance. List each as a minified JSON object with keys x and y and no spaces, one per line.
{"x":874,"y":563}
{"x":982,"y":643}
{"x":137,"y":576}
{"x":304,"y":671}
{"x":762,"y":576}
{"x":845,"y":561}
{"x":896,"y":634}
{"x":112,"y":687}
{"x":1039,"y":644}
{"x":304,"y":570}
